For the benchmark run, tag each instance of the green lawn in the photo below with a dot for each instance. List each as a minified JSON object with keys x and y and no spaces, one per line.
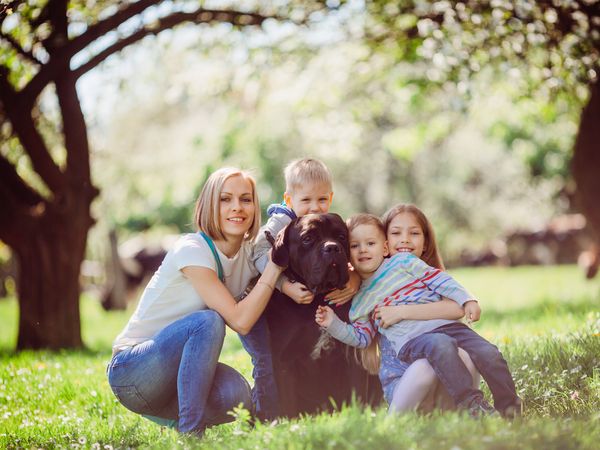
{"x":546,"y":320}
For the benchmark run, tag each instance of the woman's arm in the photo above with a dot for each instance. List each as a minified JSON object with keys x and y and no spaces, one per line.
{"x":444,"y":309}
{"x":239,"y":316}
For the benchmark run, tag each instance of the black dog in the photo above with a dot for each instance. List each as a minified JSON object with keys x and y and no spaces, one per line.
{"x":315,"y":250}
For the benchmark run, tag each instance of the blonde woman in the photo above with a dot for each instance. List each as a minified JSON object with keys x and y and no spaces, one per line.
{"x":165,"y":362}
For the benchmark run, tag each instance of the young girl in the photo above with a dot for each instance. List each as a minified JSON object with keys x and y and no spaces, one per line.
{"x":165,"y":362}
{"x":404,"y":279}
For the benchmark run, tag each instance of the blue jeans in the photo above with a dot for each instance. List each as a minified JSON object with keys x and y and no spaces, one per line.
{"x":265,"y":395}
{"x":440,"y":347}
{"x":175,"y":375}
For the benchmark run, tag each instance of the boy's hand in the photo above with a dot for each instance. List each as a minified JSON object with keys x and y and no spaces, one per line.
{"x":388,"y":315}
{"x":297,"y":292}
{"x":324,"y":316}
{"x":341,"y":296}
{"x":472,"y":311}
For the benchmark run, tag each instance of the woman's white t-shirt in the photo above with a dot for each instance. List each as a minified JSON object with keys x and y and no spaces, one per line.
{"x":170,"y":296}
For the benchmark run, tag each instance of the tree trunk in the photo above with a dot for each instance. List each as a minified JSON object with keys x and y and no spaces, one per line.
{"x":586,"y":161}
{"x":50,"y":257}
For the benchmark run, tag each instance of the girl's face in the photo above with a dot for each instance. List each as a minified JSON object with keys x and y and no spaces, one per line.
{"x":368,"y":248}
{"x":236,"y":207}
{"x":404,"y":234}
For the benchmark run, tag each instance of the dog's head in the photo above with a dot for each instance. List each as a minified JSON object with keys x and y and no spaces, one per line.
{"x":315,"y":250}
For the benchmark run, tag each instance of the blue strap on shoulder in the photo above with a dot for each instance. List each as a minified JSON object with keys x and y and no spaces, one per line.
{"x":213,"y":249}
{"x":281,"y":208}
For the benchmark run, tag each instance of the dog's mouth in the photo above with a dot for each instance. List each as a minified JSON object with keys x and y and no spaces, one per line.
{"x":334,"y":275}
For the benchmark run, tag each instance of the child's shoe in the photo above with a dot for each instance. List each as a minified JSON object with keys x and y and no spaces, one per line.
{"x":479,"y":407}
{"x":513,"y":411}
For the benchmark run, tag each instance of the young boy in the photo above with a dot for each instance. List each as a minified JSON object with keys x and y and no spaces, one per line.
{"x":403,"y":279}
{"x":308,"y":190}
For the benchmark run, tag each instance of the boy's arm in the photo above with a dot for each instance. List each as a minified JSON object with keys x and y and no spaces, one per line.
{"x":358,"y":334}
{"x":444,"y":309}
{"x":435,"y":279}
{"x":260,"y":255}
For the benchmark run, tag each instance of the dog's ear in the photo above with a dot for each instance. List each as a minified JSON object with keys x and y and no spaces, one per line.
{"x":280,"y":253}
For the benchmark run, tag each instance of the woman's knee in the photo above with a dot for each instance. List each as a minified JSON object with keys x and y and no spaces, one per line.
{"x":208,"y":322}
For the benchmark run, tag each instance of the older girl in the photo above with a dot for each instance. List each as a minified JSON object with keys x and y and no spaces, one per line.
{"x":165,"y":362}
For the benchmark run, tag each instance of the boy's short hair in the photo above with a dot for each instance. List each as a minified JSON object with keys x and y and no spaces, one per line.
{"x":207,"y":213}
{"x":365,"y":219}
{"x":304,"y":171}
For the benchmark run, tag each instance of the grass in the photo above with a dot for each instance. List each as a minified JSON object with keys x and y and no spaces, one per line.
{"x":546,"y":321}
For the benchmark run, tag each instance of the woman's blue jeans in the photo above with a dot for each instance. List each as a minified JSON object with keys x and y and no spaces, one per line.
{"x":176,"y":376}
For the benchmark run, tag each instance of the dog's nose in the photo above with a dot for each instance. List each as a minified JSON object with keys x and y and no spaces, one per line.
{"x":331,"y":247}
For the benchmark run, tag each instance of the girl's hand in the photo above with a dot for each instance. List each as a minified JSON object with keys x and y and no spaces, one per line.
{"x":341,"y":296}
{"x":472,"y":311}
{"x":388,"y":315}
{"x":297,"y":292}
{"x":324,"y":316}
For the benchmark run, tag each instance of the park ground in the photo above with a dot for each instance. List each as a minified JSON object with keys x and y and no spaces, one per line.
{"x":546,"y":321}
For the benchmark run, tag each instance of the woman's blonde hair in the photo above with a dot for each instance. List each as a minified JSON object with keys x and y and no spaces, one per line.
{"x":431,"y":254}
{"x":206,"y":215}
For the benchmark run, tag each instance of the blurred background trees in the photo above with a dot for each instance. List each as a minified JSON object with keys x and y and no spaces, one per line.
{"x":469,"y":109}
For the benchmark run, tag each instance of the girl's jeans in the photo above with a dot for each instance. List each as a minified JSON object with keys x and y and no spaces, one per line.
{"x":175,"y":375}
{"x":264,"y":394}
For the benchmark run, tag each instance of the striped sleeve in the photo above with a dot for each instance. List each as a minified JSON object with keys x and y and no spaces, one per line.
{"x":436,"y":280}
{"x":359,"y":333}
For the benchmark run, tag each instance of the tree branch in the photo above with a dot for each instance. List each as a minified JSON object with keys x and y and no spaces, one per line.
{"x":60,"y":58}
{"x":23,"y":126}
{"x":20,"y":50}
{"x":166,"y":23}
{"x":12,"y":183}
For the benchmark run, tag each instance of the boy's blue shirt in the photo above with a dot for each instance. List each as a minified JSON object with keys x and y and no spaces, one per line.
{"x":280,"y":215}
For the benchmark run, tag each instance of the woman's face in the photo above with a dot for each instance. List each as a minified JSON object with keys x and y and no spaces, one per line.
{"x":236,"y":207}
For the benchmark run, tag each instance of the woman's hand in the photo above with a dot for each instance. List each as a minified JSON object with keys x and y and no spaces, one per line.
{"x":324,"y":316}
{"x":341,"y":296}
{"x":297,"y":292}
{"x":389,"y":315}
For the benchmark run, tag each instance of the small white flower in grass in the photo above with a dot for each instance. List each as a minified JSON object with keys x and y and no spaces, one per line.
{"x":96,"y":446}
{"x":524,"y":367}
{"x":94,"y":394}
{"x":574,"y":395}
{"x":82,"y":440}
{"x":108,"y":447}
{"x":295,"y":427}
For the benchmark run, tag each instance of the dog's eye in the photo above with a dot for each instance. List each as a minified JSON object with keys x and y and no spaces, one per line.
{"x":307,"y":239}
{"x":342,"y":237}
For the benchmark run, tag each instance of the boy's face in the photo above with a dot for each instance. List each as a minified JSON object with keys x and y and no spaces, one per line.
{"x":313,"y":198}
{"x":368,"y":248}
{"x":406,"y":235}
